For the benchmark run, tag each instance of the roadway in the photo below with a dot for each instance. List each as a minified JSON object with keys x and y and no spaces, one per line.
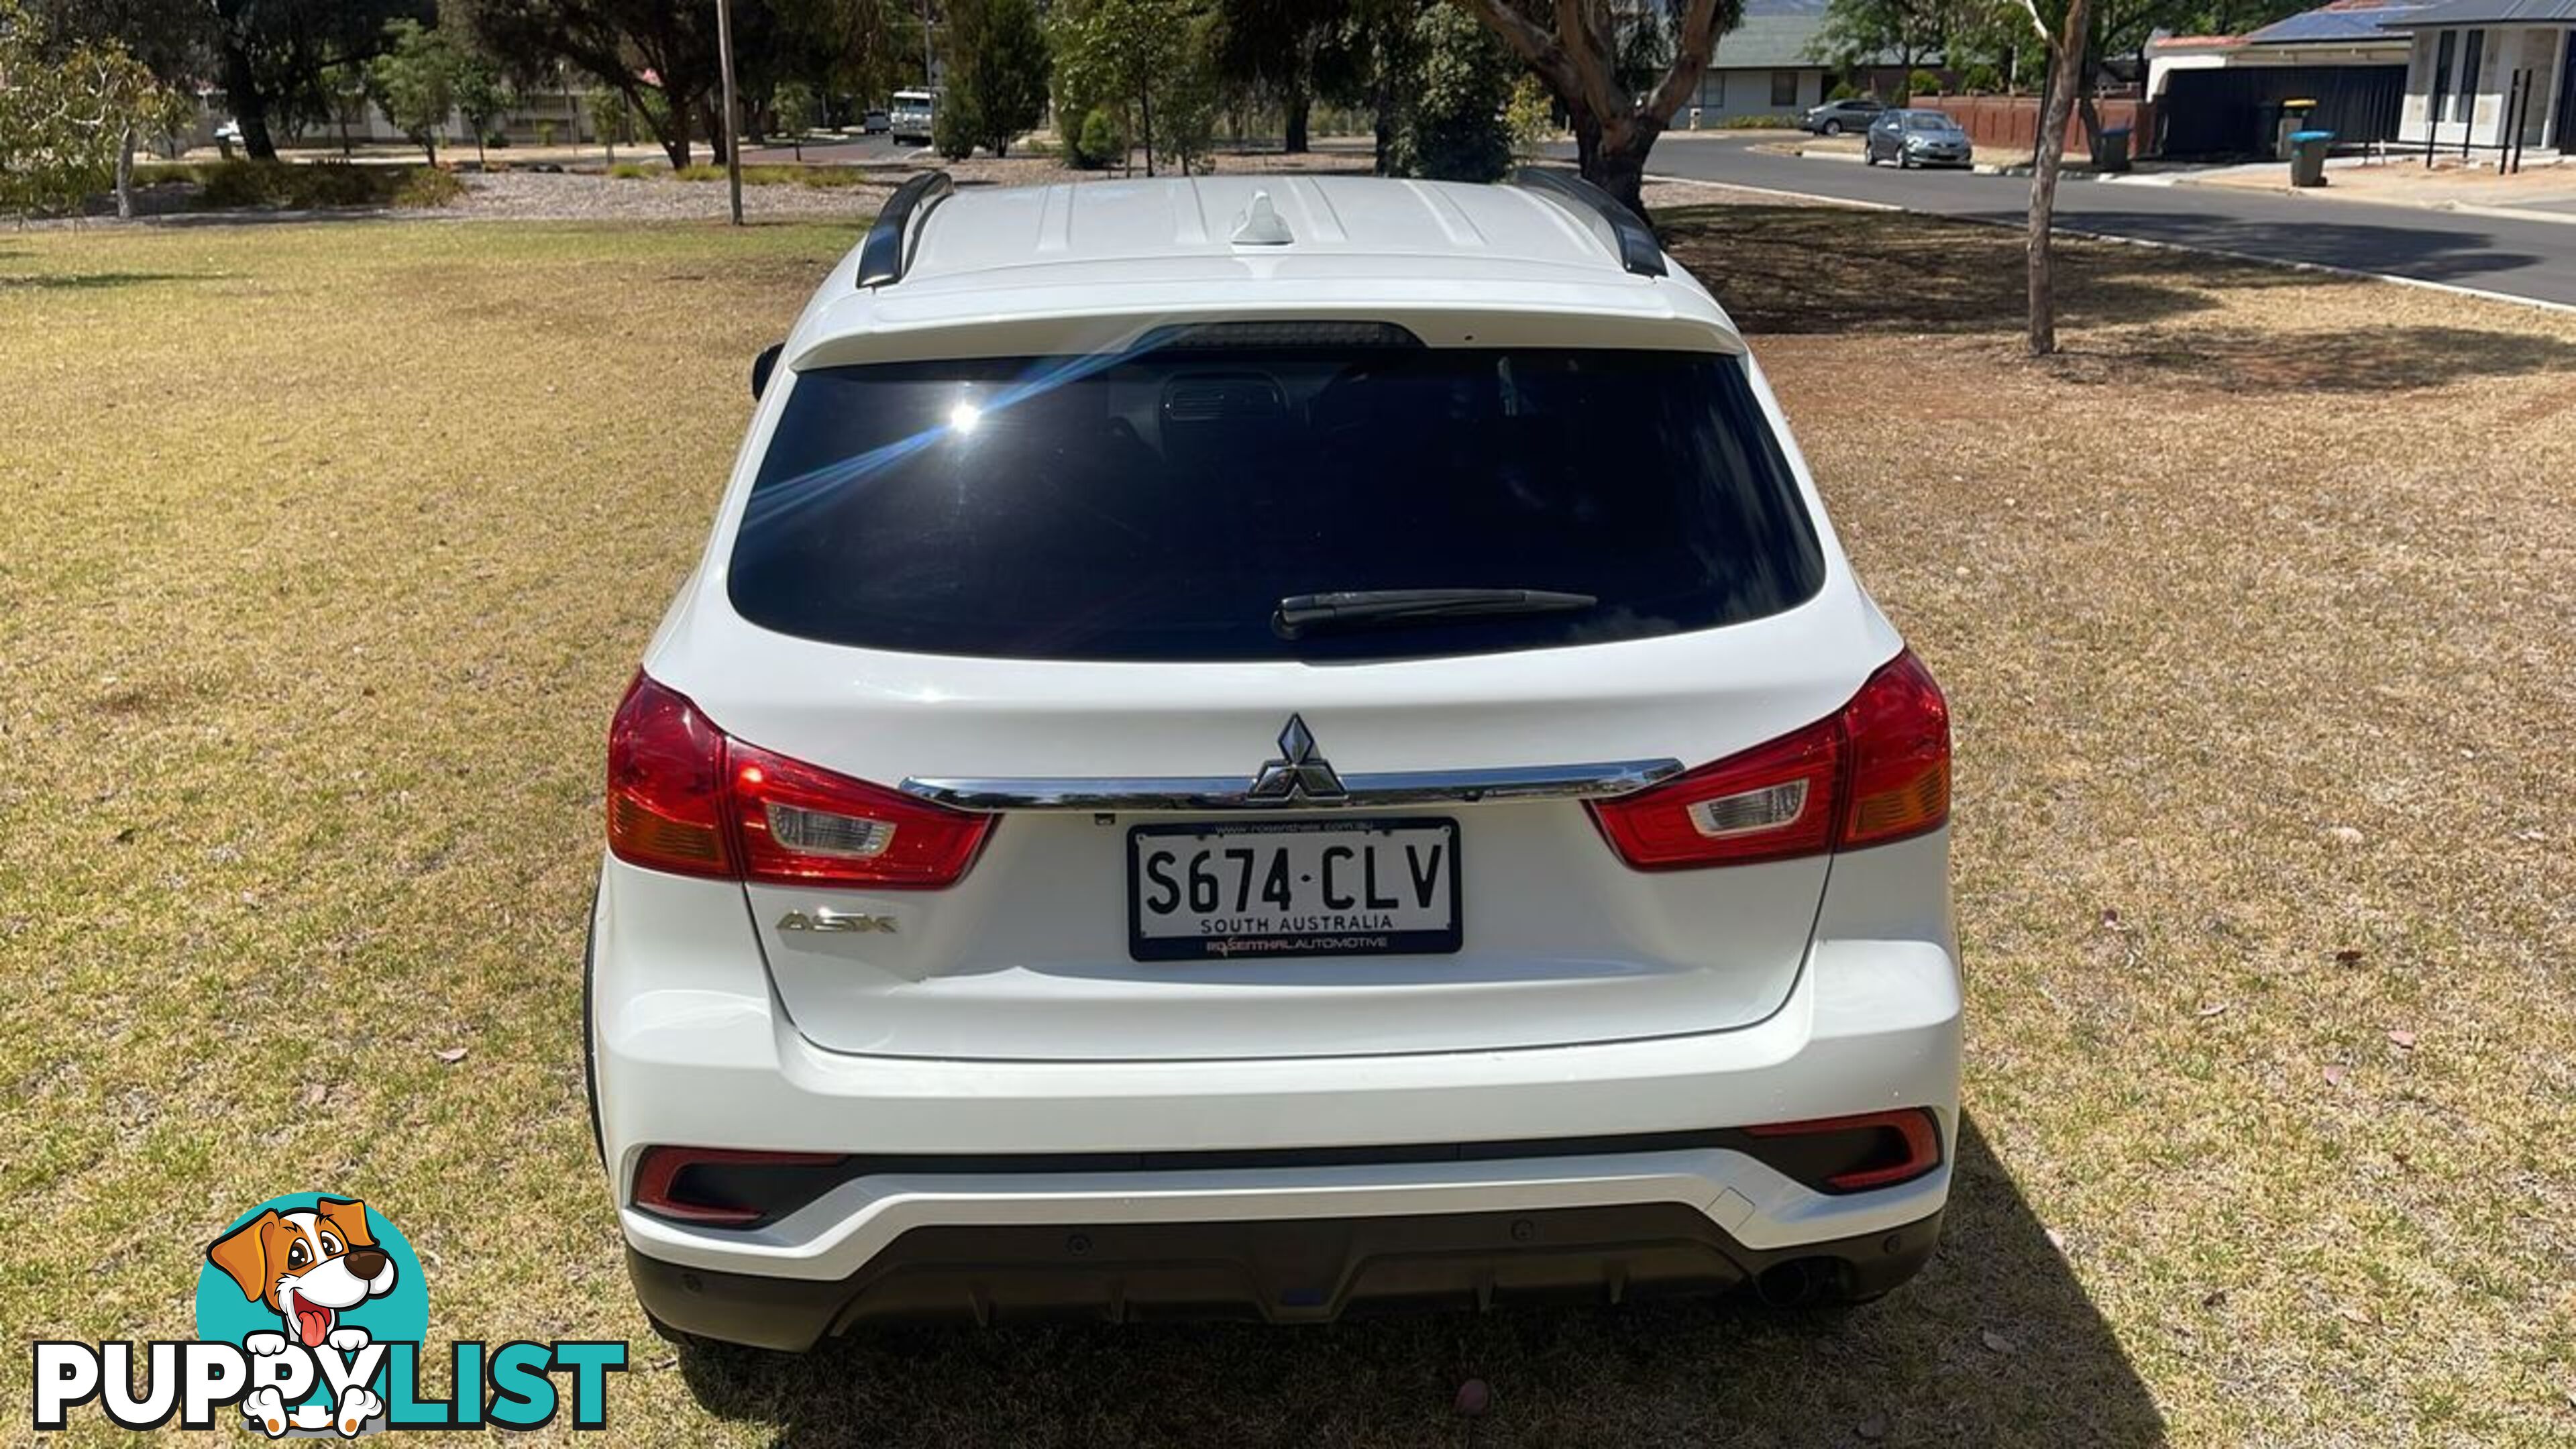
{"x":2516,"y":257}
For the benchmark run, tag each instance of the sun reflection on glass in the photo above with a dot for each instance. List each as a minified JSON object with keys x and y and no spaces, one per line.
{"x":964,"y":417}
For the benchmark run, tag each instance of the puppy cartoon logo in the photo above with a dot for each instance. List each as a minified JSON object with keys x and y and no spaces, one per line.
{"x":312,"y":1321}
{"x":309,"y":1267}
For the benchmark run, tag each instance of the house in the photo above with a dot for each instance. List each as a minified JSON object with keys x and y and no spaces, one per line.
{"x":2468,"y":60}
{"x":2222,"y":95}
{"x":1762,"y":67}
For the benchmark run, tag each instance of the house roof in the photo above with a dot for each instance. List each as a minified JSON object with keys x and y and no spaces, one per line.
{"x":2343,"y":20}
{"x":1775,"y":35}
{"x":2487,"y":12}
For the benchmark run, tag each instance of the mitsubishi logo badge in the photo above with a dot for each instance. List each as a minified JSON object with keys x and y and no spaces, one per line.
{"x":1299,"y":774}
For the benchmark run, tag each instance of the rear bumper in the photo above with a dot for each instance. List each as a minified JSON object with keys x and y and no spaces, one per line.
{"x":1280,"y":1271}
{"x":692,"y":1048}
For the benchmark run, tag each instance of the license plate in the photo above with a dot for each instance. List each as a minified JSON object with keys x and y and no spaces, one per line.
{"x":1292,"y":888}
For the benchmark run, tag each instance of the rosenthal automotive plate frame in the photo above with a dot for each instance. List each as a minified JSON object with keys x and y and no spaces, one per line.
{"x":1179,"y":949}
{"x":1370,"y":791}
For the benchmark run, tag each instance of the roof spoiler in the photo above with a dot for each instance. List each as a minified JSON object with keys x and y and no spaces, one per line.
{"x":1630,"y":237}
{"x":882,"y":259}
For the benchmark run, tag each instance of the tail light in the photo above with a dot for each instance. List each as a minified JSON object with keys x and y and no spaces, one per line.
{"x":1876,"y":770}
{"x":683,"y":797}
{"x":1852,"y":1154}
{"x":728,"y":1188}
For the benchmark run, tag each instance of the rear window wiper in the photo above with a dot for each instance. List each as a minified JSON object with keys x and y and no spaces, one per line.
{"x":1362,"y":608}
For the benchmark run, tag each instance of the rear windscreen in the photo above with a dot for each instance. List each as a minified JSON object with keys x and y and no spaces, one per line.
{"x":1159,"y":505}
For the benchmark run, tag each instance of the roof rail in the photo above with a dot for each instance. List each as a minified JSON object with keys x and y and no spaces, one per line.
{"x":881,"y":257}
{"x":1629,"y":234}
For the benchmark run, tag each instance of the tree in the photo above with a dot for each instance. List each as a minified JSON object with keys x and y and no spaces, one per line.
{"x":1871,"y":32}
{"x":481,"y":96}
{"x":796,"y":110}
{"x":276,"y":57}
{"x":1369,"y":65}
{"x":1274,"y":46}
{"x":659,"y":54}
{"x":2064,"y":36}
{"x":1577,"y":52}
{"x":846,"y":52}
{"x":1117,"y":52}
{"x":997,"y":69}
{"x":69,"y":120}
{"x":414,"y":82}
{"x":612,"y":119}
{"x":1453,"y":128}
{"x":1530,"y":115}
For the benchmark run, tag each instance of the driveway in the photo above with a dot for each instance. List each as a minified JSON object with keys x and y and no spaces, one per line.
{"x":2533,"y":259}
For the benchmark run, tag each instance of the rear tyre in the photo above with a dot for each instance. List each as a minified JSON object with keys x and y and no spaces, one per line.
{"x":1833,"y":128}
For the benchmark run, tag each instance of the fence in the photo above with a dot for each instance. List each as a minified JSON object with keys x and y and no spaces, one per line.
{"x":2011,"y":123}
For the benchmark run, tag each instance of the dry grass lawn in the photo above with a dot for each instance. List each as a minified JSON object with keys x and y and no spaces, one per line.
{"x":326,"y":550}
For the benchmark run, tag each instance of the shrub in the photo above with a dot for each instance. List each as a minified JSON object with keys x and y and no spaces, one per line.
{"x":1760,"y":123}
{"x":312,"y":186}
{"x":1531,"y":115}
{"x":630,"y":171}
{"x":952,"y":133}
{"x":427,"y":186}
{"x":1102,"y":142}
{"x":777,"y":175}
{"x":1981,"y":79}
{"x":1923,"y":83}
{"x":1454,"y":129}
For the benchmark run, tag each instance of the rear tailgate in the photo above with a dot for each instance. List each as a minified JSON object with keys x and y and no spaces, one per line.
{"x":1035,"y":954}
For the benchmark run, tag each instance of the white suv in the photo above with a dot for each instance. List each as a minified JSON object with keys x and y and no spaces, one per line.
{"x":1256,"y":751}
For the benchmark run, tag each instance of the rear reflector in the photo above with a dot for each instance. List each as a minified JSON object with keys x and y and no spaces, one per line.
{"x":723,"y":1187}
{"x":682,"y":797}
{"x":1876,"y":770}
{"x":1853,"y":1154}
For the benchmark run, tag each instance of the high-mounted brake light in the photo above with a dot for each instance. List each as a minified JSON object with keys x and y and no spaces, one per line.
{"x":1876,"y":770}
{"x":683,"y":797}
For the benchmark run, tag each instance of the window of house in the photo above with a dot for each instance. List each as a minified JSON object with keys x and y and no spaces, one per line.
{"x":1784,"y":87}
{"x":2442,"y":73}
{"x":2466,"y":103}
{"x":1712,"y":90}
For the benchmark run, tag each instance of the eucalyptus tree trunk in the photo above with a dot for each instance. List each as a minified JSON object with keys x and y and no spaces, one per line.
{"x":125,"y":174}
{"x":2065,"y":53}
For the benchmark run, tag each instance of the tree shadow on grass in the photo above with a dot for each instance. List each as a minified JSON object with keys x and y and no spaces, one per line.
{"x":2391,"y":360}
{"x":1995,"y":1344}
{"x":2438,"y":253}
{"x":1834,"y":270}
{"x":2153,"y":314}
{"x":89,"y":281}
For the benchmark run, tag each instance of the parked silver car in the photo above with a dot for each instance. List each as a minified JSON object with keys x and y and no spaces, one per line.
{"x":1853,"y":113}
{"x":1911,"y":137}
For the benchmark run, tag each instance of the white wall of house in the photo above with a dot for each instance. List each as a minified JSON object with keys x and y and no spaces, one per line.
{"x":1753,"y":91}
{"x":2163,"y":60}
{"x":2446,"y":104}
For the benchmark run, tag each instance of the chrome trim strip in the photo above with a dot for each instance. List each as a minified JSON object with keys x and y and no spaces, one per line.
{"x":1365,"y":792}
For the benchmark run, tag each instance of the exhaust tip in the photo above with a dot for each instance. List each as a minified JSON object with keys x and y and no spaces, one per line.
{"x":1794,"y":1283}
